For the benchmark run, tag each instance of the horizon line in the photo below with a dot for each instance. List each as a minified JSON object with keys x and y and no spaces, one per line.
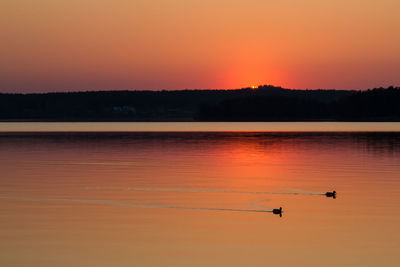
{"x":194,"y":89}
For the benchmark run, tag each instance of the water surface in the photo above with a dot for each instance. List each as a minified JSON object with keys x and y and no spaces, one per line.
{"x":185,"y":199}
{"x":199,"y":127}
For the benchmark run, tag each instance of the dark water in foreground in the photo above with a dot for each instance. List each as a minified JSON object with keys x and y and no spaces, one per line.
{"x":198,"y":199}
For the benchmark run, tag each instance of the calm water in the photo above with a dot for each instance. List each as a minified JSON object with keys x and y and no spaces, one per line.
{"x":186,"y":199}
{"x":199,"y":126}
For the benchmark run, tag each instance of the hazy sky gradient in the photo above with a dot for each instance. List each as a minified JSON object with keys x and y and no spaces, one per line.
{"x":58,"y":45}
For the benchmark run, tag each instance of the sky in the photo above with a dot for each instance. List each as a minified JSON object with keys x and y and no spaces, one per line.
{"x":71,"y":45}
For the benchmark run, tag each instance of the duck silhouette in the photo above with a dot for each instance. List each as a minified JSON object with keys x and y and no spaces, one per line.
{"x":277,"y":211}
{"x":331,"y":194}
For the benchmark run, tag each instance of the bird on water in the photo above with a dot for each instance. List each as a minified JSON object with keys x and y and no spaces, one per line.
{"x":277,"y":211}
{"x":331,"y":194}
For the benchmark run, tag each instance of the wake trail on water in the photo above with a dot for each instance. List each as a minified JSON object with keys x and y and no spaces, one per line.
{"x":136,"y":205}
{"x":188,"y":190}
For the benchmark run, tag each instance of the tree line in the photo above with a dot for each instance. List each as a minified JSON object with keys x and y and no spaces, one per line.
{"x":266,"y":103}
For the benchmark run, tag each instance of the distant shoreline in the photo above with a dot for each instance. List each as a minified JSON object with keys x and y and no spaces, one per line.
{"x":264,"y":104}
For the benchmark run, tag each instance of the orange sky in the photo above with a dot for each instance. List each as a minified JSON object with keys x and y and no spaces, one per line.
{"x":49,"y":45}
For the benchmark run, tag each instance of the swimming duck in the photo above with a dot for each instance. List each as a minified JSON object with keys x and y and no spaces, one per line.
{"x":331,"y":194}
{"x":277,"y":211}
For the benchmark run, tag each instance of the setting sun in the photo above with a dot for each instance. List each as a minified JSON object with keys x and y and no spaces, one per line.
{"x":182,"y":133}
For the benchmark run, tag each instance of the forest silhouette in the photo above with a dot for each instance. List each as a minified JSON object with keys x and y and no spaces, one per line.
{"x":266,"y":103}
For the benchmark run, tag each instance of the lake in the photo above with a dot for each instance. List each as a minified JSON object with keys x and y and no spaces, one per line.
{"x":199,"y":127}
{"x":198,"y":195}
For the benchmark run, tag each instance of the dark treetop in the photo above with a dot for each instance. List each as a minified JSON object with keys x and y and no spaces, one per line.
{"x":267,"y":103}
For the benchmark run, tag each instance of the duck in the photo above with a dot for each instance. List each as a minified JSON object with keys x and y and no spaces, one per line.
{"x":277,"y":211}
{"x":331,"y":194}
